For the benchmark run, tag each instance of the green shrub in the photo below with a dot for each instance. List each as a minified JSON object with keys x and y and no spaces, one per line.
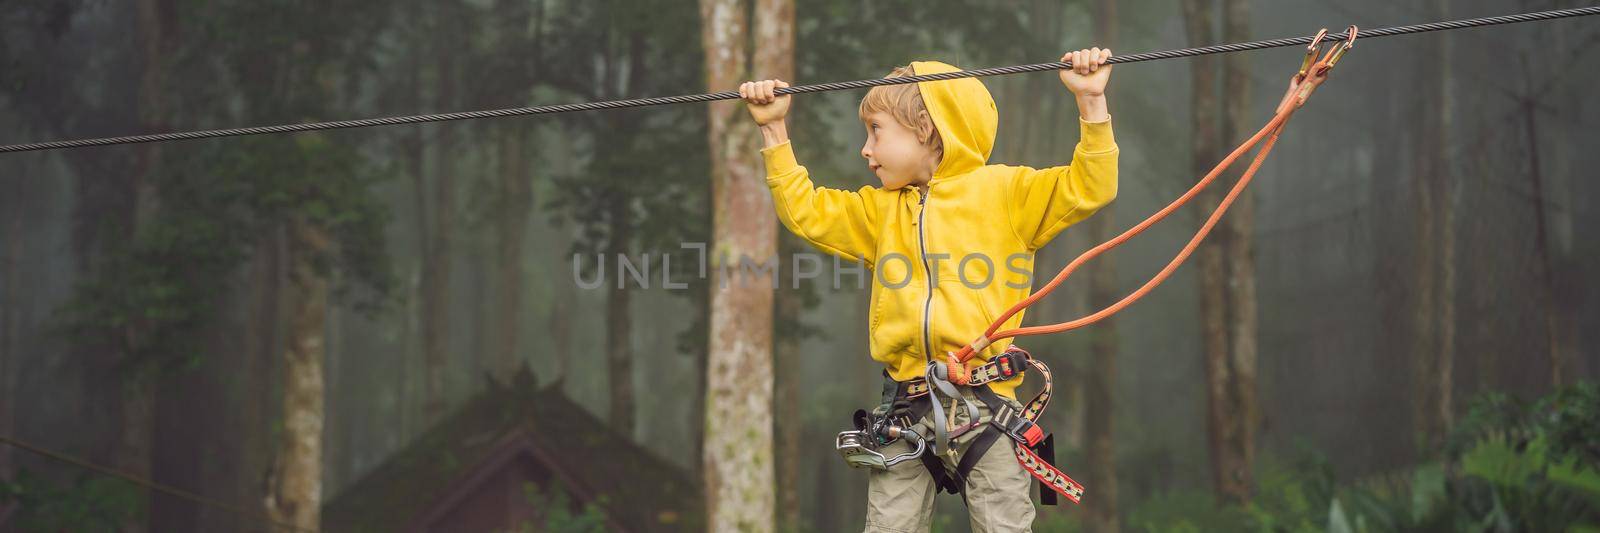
{"x":1507,"y":466}
{"x":86,"y":503}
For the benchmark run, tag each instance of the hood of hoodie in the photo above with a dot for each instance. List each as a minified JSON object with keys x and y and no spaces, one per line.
{"x":965,"y":115}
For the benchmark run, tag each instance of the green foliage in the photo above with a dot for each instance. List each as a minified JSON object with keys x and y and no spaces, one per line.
{"x":204,"y":208}
{"x":1571,"y":420}
{"x":1289,"y":499}
{"x":1060,"y":520}
{"x":328,"y":185}
{"x":1532,"y":468}
{"x":1530,"y":488}
{"x":559,"y":514}
{"x":154,"y":293}
{"x":88,"y":503}
{"x":1507,"y":467}
{"x":1415,"y":500}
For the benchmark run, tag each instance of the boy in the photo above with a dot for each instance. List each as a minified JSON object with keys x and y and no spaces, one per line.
{"x":928,"y":144}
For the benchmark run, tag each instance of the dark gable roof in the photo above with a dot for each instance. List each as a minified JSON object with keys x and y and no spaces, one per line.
{"x":638,"y":490}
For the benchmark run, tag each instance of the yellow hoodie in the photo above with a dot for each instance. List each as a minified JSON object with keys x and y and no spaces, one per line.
{"x":986,"y":220}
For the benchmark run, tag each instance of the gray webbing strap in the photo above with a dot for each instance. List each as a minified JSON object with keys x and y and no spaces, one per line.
{"x":936,"y":376}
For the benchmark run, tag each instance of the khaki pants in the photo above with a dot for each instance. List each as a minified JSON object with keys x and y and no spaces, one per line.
{"x":900,"y":500}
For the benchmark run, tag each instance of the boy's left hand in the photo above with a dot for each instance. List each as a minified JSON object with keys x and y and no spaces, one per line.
{"x":1089,"y":72}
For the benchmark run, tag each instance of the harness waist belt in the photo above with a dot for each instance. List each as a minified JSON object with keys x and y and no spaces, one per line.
{"x":1007,"y":365}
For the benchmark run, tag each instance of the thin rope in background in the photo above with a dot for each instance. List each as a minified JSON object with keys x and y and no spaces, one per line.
{"x":137,"y":480}
{"x":819,"y":87}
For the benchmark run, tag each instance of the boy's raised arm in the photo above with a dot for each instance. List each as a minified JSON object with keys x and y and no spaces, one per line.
{"x":1046,"y":201}
{"x":840,"y":222}
{"x":1043,"y":202}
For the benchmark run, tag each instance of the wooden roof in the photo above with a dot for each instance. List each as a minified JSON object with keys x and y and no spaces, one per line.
{"x":637,"y":489}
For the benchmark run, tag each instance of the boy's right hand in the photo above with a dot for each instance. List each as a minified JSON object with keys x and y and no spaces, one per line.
{"x":765,"y":104}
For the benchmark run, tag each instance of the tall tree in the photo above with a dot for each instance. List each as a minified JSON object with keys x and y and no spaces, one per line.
{"x":522,"y":28}
{"x":332,"y":226}
{"x":309,"y":194}
{"x":787,"y":357}
{"x":1547,"y":163}
{"x":774,"y":58}
{"x":1229,"y":371}
{"x":1432,"y":270}
{"x":436,"y":260}
{"x":296,"y":496}
{"x":1239,"y":260}
{"x":737,"y":459}
{"x":262,"y":334}
{"x":619,"y":317}
{"x":1556,"y":303}
{"x":413,"y":149}
{"x":1449,"y":199}
{"x":1099,"y":389}
{"x":157,"y":35}
{"x":511,"y":224}
{"x":10,"y":316}
{"x":62,"y":102}
{"x":1204,"y":148}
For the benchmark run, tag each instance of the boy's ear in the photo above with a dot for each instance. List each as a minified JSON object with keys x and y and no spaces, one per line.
{"x":925,"y":129}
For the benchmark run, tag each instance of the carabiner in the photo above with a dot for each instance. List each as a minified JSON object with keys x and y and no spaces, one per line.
{"x":1349,"y":42}
{"x":1311,"y":52}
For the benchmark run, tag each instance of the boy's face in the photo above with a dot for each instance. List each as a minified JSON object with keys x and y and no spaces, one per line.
{"x":894,"y":153}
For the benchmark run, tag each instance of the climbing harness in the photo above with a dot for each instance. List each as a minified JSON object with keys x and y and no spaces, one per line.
{"x":797,"y":89}
{"x":907,"y":402}
{"x":1032,"y":447}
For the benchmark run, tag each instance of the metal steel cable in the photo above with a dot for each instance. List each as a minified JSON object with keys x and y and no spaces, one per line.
{"x":798,"y":89}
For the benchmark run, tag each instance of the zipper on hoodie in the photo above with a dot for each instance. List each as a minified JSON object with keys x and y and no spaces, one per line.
{"x":927,"y":305}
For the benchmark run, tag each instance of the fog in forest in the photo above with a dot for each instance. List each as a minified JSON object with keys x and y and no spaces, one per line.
{"x":1404,"y":295}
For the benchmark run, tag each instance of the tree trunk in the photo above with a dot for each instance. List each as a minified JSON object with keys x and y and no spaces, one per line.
{"x":10,"y":305}
{"x":437,"y":262}
{"x":1554,"y":312}
{"x":774,"y":58}
{"x":296,"y":482}
{"x":737,"y":456}
{"x":1099,"y":391}
{"x":516,"y":197}
{"x":1551,"y":299}
{"x":137,"y":403}
{"x":1239,"y":263}
{"x":786,"y":402}
{"x":413,"y":368}
{"x":1449,"y":197}
{"x":619,"y":321}
{"x":134,"y":446}
{"x":1206,"y":149}
{"x":263,"y":338}
{"x":1433,"y":360}
{"x":560,"y":328}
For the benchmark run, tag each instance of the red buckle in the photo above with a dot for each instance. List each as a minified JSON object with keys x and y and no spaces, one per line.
{"x":1034,"y":434}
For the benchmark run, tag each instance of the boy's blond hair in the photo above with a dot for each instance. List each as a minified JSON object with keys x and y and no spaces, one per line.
{"x":904,"y":103}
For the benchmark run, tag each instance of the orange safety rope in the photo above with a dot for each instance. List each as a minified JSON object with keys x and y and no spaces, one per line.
{"x":1313,"y":72}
